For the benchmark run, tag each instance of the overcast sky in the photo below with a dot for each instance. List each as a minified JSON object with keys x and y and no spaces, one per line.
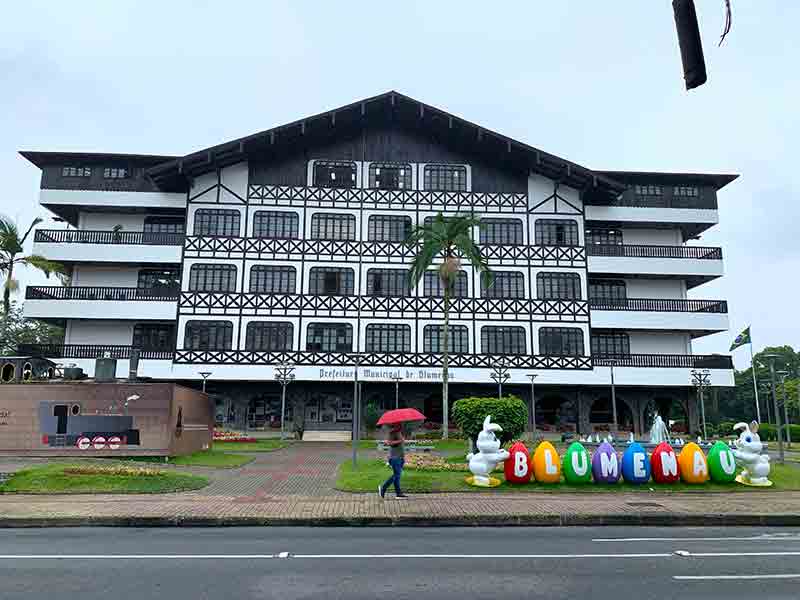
{"x":599,"y":83}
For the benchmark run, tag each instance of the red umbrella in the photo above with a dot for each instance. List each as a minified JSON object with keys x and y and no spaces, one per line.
{"x":400,"y":415}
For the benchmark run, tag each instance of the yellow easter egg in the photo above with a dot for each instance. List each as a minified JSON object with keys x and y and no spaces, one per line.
{"x":693,"y":464}
{"x":546,"y":464}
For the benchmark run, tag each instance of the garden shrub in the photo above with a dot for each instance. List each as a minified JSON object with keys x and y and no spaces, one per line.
{"x":510,"y":412}
{"x":371,"y":415}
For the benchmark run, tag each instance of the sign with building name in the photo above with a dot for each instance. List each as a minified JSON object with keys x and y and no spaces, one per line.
{"x":385,"y":374}
{"x":4,"y":415}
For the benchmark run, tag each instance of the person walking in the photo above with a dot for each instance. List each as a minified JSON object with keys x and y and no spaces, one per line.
{"x":397,"y":459}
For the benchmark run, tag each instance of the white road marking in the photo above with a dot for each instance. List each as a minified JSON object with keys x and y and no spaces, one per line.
{"x":133,"y":556}
{"x":483,"y":556}
{"x":735,"y":554}
{"x":762,"y":537}
{"x":722,"y":577}
{"x":283,"y":555}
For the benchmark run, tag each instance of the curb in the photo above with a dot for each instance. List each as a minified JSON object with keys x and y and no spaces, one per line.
{"x":554,"y":520}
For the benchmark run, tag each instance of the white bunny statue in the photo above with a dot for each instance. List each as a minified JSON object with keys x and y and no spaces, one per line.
{"x":748,"y":453}
{"x":489,"y":454}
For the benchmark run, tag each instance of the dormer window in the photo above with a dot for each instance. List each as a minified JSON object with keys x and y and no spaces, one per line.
{"x":445,"y":178}
{"x":76,"y":171}
{"x":390,"y":176}
{"x":115,"y":173}
{"x":648,"y":190}
{"x":334,"y":174}
{"x":686,"y":191}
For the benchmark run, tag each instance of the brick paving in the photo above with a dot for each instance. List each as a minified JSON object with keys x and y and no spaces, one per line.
{"x":296,"y":484}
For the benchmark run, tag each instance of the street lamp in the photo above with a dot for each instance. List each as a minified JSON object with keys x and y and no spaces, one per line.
{"x":611,"y":363}
{"x":355,"y":413}
{"x":771,"y":358}
{"x":397,"y":379}
{"x":701,"y":380}
{"x":129,"y":399}
{"x":784,"y":375}
{"x":532,"y":411}
{"x":205,"y":375}
{"x":284,"y":374}
{"x":500,"y":376}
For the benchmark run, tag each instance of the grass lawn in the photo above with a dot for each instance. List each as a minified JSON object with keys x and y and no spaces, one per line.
{"x":204,"y":458}
{"x":371,"y":472}
{"x":267,"y":445}
{"x":51,"y":479}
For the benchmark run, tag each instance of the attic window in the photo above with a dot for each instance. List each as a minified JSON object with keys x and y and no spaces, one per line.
{"x":390,"y":176}
{"x":446,"y":178}
{"x":686,"y":191}
{"x":76,"y":171}
{"x":116,"y":173}
{"x":334,"y":174}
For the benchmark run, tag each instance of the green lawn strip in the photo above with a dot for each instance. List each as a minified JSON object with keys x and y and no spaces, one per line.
{"x":51,"y":479}
{"x":267,"y":445}
{"x":205,"y":458}
{"x":371,"y":472}
{"x":439,"y":445}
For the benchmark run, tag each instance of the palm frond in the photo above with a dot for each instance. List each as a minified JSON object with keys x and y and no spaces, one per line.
{"x":44,"y":265}
{"x":467,"y":247}
{"x":10,"y":243}
{"x":423,"y":260}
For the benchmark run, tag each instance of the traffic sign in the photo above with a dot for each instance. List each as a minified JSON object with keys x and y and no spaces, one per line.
{"x":83,"y":443}
{"x":114,"y":442}
{"x":99,"y":442}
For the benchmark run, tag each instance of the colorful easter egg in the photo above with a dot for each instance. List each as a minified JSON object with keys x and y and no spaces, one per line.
{"x":721,"y":463}
{"x":664,"y":464}
{"x":546,"y":464}
{"x":605,"y":464}
{"x":577,"y":464}
{"x":518,"y":467}
{"x":635,"y":464}
{"x":692,"y":463}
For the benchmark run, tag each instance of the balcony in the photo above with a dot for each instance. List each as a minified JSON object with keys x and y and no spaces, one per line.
{"x":58,"y":302}
{"x":697,"y":264}
{"x":155,"y":363}
{"x":71,"y":245}
{"x":698,"y":316}
{"x":669,"y":361}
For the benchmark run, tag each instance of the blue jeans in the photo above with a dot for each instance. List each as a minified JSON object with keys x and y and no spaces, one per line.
{"x":397,"y":471}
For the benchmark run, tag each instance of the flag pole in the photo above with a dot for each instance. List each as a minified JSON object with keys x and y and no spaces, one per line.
{"x":755,"y":382}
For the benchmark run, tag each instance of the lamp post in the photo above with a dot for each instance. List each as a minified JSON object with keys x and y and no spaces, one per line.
{"x":205,"y":375}
{"x":284,"y":374}
{"x":532,"y":411}
{"x":784,"y":375}
{"x":355,"y":411}
{"x":701,"y":380}
{"x":611,"y":363}
{"x":771,"y":358}
{"x":500,"y":376}
{"x":129,"y":399}
{"x":397,"y":380}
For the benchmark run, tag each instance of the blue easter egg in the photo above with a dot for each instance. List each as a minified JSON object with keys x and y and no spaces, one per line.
{"x":635,"y":464}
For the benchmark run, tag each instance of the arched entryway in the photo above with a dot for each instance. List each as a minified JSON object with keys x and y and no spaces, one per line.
{"x":556,"y":412}
{"x":601,"y":414}
{"x":672,"y":410}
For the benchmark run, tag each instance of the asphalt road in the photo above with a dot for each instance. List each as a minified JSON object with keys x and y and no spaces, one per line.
{"x":631,"y":563}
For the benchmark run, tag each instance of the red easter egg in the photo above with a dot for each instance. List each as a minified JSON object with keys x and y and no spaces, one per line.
{"x":664,"y":464}
{"x":518,"y":467}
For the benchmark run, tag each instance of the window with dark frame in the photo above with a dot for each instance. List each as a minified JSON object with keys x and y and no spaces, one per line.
{"x":504,"y":284}
{"x":334,"y":174}
{"x":276,"y":225}
{"x":613,"y":343}
{"x":266,"y":279}
{"x":560,"y":341}
{"x":331,"y":281}
{"x":387,"y":282}
{"x":217,"y":222}
{"x":389,"y":337}
{"x":329,"y":337}
{"x":686,"y":191}
{"x":604,"y":236}
{"x":268,"y":336}
{"x":211,"y":277}
{"x":648,"y":190}
{"x":388,"y":228}
{"x":608,"y":291}
{"x":160,"y":224}
{"x":556,"y":232}
{"x":558,"y":286}
{"x":503,"y":340}
{"x":390,"y":176}
{"x":76,"y":171}
{"x":457,"y":339}
{"x":154,"y":336}
{"x":432,"y":286}
{"x":501,"y":231}
{"x":116,"y":173}
{"x":208,"y":335}
{"x":445,"y":178}
{"x":155,"y":281}
{"x":328,"y":226}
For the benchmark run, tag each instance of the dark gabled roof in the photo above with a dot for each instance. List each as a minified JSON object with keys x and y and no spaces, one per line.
{"x":401,"y":109}
{"x":43,"y":159}
{"x":717,"y":180}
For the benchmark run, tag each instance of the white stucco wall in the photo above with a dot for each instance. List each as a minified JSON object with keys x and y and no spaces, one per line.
{"x":106,"y":221}
{"x":99,"y":332}
{"x":656,"y":288}
{"x":97,"y":275}
{"x":659,"y":343}
{"x":652,"y":237}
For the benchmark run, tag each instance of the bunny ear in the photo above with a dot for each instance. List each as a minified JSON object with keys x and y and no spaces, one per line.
{"x":754,"y":426}
{"x":486,"y":422}
{"x":739,"y":426}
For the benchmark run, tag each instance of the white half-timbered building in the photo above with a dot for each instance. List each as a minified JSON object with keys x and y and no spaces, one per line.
{"x":288,"y":246}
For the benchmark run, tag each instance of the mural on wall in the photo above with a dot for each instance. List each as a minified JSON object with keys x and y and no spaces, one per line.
{"x":63,"y":424}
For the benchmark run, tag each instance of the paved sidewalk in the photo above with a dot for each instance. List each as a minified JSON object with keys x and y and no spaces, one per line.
{"x":295,"y":486}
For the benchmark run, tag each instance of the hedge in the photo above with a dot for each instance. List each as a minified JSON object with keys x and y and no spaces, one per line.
{"x":510,"y":412}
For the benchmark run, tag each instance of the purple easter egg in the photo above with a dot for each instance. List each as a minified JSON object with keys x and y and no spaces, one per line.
{"x":605,"y":464}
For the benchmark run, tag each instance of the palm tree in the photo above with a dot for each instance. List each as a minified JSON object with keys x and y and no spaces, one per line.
{"x":10,"y":248}
{"x":450,"y":238}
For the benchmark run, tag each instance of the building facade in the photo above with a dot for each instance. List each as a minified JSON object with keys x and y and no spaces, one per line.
{"x":287,"y":246}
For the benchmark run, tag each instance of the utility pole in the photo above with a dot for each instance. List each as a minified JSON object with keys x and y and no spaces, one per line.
{"x":532,"y":411}
{"x":771,"y":358}
{"x":397,"y":379}
{"x":784,"y":375}
{"x":611,"y":363}
{"x":500,"y":376}
{"x":284,"y":374}
{"x":701,"y":380}
{"x":356,"y":429}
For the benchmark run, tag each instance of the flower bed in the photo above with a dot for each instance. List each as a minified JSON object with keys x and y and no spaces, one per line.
{"x":429,"y":462}
{"x":224,"y":435}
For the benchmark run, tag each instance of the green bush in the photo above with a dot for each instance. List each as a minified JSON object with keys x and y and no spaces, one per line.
{"x":510,"y":412}
{"x":371,"y":415}
{"x":768,"y":433}
{"x":437,"y":435}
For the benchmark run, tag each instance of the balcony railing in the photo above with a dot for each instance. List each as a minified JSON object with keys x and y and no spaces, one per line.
{"x":643,"y":251}
{"x":87,"y":236}
{"x":706,"y":199}
{"x":659,"y":305}
{"x":685,"y":361}
{"x":54,"y":292}
{"x":91,"y":351}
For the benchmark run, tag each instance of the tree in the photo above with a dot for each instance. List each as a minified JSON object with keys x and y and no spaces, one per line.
{"x":452,"y":239}
{"x":18,"y":331}
{"x":11,"y":246}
